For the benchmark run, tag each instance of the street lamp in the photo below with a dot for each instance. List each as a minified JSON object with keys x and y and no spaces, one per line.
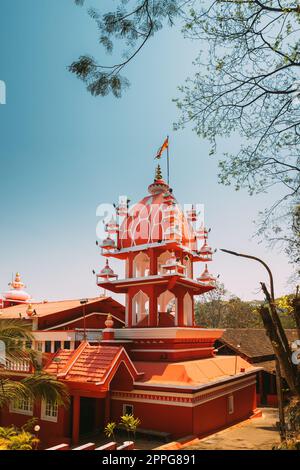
{"x":83,"y":302}
{"x":236,"y":358}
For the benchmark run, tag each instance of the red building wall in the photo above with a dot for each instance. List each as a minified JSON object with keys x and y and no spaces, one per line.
{"x":51,"y":433}
{"x":177,"y":420}
{"x":182,"y":421}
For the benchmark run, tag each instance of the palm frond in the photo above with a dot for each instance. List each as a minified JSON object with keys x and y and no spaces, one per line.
{"x":11,"y":390}
{"x":46,"y":387}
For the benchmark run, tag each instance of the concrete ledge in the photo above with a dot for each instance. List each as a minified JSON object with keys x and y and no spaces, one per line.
{"x":108,"y":446}
{"x":60,"y":447}
{"x":88,"y":446}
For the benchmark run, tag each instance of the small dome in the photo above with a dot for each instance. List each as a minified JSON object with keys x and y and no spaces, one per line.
{"x":206,"y":249}
{"x":17,"y":293}
{"x":153,"y":220}
{"x":108,"y":243}
{"x":107,"y":271}
{"x":206,"y":276}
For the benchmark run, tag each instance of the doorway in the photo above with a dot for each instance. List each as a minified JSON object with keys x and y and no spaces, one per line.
{"x":87,"y":415}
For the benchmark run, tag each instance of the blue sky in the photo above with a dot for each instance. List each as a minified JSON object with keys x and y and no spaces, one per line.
{"x":63,"y":152}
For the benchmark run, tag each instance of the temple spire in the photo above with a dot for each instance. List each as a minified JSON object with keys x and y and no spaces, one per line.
{"x":158,"y":174}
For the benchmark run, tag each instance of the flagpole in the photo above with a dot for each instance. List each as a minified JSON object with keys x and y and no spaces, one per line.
{"x":168,"y":163}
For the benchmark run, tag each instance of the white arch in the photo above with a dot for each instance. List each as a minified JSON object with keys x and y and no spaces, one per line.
{"x":140,"y":307}
{"x":188,"y":267}
{"x":167,"y":302}
{"x":141,"y":265}
{"x":162,"y":259}
{"x":187,"y":310}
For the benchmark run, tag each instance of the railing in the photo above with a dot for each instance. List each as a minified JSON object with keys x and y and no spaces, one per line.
{"x":18,"y":366}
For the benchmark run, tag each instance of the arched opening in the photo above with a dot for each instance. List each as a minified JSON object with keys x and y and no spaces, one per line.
{"x":188,"y":310}
{"x":161,"y":260}
{"x":167,"y":309}
{"x":188,"y":267}
{"x":140,"y":309}
{"x":141,"y":265}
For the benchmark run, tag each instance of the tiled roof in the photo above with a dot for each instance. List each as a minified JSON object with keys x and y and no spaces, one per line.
{"x":47,"y":308}
{"x":254,"y":343}
{"x":196,"y":372}
{"x":90,"y":364}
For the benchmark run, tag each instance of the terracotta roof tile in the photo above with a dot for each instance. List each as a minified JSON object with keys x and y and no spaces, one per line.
{"x":196,"y":372}
{"x":85,"y":364}
{"x":45,"y":308}
{"x":254,"y":343}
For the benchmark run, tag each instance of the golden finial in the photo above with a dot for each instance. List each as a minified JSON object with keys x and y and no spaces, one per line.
{"x":29,"y":310}
{"x":158,"y":175}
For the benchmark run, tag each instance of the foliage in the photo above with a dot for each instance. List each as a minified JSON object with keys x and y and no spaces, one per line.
{"x":36,"y":385}
{"x":12,"y":438}
{"x":246,"y":81}
{"x":134,"y":26}
{"x":218,"y":309}
{"x":130,"y":423}
{"x":109,"y":430}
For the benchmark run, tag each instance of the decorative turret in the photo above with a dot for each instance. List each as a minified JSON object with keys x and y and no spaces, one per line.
{"x":205,"y":252}
{"x":173,"y":266}
{"x":159,"y":185}
{"x":112,"y":227}
{"x":16,"y":294}
{"x":106,"y":273}
{"x":191,"y":214}
{"x":108,"y":334}
{"x":108,"y":244}
{"x":206,"y":277}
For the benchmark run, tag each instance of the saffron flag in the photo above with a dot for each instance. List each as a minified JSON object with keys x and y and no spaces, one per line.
{"x":164,"y":146}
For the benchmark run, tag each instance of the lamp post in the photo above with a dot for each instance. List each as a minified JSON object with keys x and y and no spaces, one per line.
{"x":278,"y":371}
{"x":83,"y":302}
{"x":236,"y":358}
{"x":37,"y":429}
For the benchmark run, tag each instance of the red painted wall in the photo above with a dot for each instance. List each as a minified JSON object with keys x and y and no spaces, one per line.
{"x":183,"y":421}
{"x":50,"y":433}
{"x":176,"y":420}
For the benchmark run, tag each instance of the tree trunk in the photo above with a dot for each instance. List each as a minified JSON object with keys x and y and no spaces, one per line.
{"x":280,"y":352}
{"x":296,"y":313}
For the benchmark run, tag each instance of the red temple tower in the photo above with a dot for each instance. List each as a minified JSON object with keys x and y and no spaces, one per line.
{"x":159,"y":245}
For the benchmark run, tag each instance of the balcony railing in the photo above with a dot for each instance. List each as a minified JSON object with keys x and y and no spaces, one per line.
{"x":18,"y":366}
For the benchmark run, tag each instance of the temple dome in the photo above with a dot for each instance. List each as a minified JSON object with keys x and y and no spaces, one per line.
{"x":17,"y":292}
{"x":156,"y":218}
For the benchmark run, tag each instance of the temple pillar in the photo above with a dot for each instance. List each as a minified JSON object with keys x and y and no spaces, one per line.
{"x":107,"y":409}
{"x":153,"y":308}
{"x":153,"y":262}
{"x":76,"y":419}
{"x":180,"y":312}
{"x":128,"y":311}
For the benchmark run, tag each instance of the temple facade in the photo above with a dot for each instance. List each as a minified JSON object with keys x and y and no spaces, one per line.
{"x":148,"y":359}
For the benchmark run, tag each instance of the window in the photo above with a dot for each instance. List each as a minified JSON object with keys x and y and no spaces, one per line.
{"x":67,"y":344}
{"x":47,"y":346}
{"x":230,"y":405}
{"x":49,"y":411}
{"x":23,"y":406}
{"x":57,"y":345}
{"x":127,"y":409}
{"x":39,"y":346}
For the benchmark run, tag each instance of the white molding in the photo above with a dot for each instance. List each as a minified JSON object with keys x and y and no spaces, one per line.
{"x":165,"y":401}
{"x":81,"y":318}
{"x":167,"y":333}
{"x":174,"y":350}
